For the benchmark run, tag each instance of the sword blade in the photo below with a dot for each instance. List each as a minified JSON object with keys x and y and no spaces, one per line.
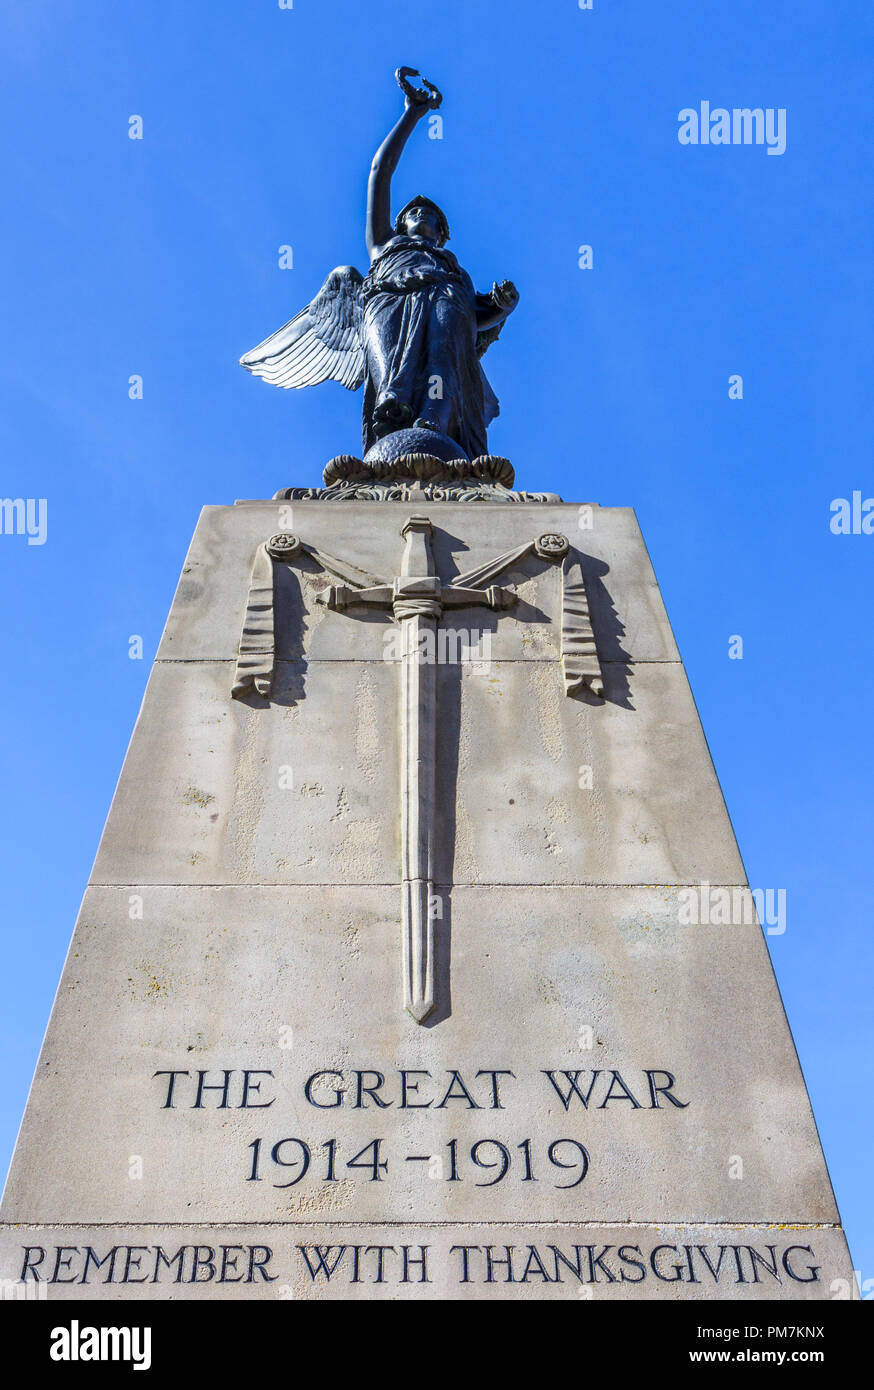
{"x":418,"y":771}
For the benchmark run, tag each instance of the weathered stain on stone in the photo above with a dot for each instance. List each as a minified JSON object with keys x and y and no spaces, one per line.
{"x":329,"y":1197}
{"x":370,"y":731}
{"x":545,"y":698}
{"x":193,"y":796}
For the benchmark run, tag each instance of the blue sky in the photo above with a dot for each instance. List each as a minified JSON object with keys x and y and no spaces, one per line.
{"x":159,"y":257}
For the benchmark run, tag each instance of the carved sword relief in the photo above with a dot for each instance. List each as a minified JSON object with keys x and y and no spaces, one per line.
{"x":417,"y":599}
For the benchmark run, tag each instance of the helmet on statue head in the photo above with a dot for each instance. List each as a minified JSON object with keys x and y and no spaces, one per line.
{"x":439,"y":217}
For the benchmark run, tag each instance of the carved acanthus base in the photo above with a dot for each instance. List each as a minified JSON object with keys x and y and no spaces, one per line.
{"x":416,"y":477}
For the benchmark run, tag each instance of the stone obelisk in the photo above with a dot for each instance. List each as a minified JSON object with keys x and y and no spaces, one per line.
{"x":418,"y":959}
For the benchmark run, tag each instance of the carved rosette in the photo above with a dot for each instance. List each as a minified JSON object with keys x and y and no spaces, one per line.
{"x":552,"y":546}
{"x":283,"y":546}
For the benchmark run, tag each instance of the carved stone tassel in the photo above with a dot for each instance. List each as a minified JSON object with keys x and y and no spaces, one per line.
{"x":255,"y":661}
{"x":579,"y":655}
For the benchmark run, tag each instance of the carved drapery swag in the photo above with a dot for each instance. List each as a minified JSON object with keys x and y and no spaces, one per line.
{"x":581,"y":666}
{"x":257,"y":653}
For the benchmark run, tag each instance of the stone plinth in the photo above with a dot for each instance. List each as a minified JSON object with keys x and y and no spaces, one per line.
{"x":602,"y":1095}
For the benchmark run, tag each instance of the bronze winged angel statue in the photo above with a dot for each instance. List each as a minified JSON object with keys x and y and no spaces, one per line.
{"x":412,"y":331}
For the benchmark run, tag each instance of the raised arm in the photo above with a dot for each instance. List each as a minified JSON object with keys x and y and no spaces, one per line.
{"x":416,"y":105}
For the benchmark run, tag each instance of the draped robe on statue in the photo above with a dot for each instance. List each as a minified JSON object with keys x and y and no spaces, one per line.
{"x":420,"y":337}
{"x":408,"y":331}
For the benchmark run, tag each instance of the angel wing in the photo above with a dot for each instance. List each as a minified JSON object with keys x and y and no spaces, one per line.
{"x":321,"y":343}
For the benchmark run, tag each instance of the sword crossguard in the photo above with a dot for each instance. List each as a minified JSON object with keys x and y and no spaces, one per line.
{"x":343,"y":595}
{"x":417,"y":585}
{"x":336,"y":596}
{"x":458,"y":596}
{"x":501,"y":598}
